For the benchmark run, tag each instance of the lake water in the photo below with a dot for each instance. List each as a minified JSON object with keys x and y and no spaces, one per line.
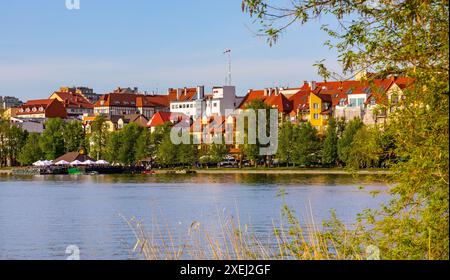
{"x":40,"y":216}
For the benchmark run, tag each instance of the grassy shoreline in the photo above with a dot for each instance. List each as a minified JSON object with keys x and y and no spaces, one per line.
{"x":318,"y":171}
{"x":274,"y":171}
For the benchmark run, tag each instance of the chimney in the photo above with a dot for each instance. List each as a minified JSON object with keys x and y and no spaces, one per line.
{"x":200,"y":92}
{"x":312,"y":85}
{"x":178,"y":93}
{"x":277,"y":91}
{"x":266,"y":92}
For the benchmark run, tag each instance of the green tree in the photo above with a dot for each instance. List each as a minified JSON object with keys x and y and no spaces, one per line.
{"x":287,"y":138}
{"x":112,"y":147}
{"x":73,"y":134}
{"x":187,"y":154}
{"x":217,"y":152}
{"x":52,"y":139}
{"x":345,"y":142}
{"x":307,"y":145}
{"x":128,"y":142}
{"x":167,"y":151}
{"x":408,"y":38}
{"x":98,"y":137}
{"x":12,"y":139}
{"x":252,"y":150}
{"x":31,"y":151}
{"x":330,"y":144}
{"x":365,"y":150}
{"x":144,"y":145}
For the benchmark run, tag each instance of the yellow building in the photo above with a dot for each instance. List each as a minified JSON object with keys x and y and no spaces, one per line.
{"x":319,"y":111}
{"x":10,"y":113}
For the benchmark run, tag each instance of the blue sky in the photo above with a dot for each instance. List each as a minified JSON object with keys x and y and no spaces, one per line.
{"x":149,"y":44}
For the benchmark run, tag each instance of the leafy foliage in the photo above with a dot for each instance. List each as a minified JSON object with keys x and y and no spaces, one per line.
{"x":408,"y":38}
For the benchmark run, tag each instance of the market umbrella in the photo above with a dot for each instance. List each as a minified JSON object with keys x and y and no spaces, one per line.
{"x":62,"y":162}
{"x":38,"y":163}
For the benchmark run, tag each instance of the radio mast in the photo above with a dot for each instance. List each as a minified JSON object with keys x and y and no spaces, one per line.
{"x":228,"y":81}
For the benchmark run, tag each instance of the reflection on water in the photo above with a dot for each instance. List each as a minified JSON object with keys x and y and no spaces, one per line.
{"x":40,"y":216}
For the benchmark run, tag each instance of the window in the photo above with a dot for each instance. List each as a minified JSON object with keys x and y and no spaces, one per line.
{"x":325,"y":117}
{"x":356,"y":102}
{"x":215,"y":104}
{"x":316,"y":116}
{"x":316,"y":106}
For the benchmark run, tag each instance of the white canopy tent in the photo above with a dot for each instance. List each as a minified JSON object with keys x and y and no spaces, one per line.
{"x":62,"y":162}
{"x":42,"y":163}
{"x":88,"y":162}
{"x":101,"y":162}
{"x":38,"y":163}
{"x":76,"y":162}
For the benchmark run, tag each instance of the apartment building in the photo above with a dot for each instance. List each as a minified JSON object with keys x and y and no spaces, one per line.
{"x":74,"y":101}
{"x":194,"y":103}
{"x":128,"y":102}
{"x":42,"y":109}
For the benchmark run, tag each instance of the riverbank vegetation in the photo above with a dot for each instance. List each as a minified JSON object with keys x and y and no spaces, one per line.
{"x":345,"y":144}
{"x":408,"y":38}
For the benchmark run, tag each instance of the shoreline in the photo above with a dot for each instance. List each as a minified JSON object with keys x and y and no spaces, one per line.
{"x":263,"y":171}
{"x":284,"y":171}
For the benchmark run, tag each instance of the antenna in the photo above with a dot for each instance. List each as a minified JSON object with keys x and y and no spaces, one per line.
{"x":228,"y":80}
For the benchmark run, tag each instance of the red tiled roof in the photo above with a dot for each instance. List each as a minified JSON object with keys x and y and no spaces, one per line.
{"x":161,"y":118}
{"x":74,"y":100}
{"x":271,"y":99}
{"x":52,"y":108}
{"x":132,"y":100}
{"x":153,"y":101}
{"x":280,"y":102}
{"x":186,"y":94}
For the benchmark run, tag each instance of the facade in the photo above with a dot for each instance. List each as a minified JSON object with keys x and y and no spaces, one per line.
{"x":317,"y":102}
{"x":273,"y":98}
{"x":193,"y":102}
{"x":75,"y":103}
{"x":139,"y":119}
{"x":10,"y":113}
{"x":42,"y":109}
{"x":129,"y":102}
{"x":86,"y":92}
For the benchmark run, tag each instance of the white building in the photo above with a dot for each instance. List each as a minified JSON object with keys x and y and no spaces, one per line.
{"x":194,"y":103}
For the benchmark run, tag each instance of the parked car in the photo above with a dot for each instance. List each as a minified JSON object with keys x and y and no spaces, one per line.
{"x":228,"y":163}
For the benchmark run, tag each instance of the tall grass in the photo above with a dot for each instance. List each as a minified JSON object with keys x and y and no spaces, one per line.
{"x":236,"y":241}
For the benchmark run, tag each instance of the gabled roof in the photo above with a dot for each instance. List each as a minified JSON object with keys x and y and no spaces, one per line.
{"x":74,"y":99}
{"x":73,"y":156}
{"x":270,"y":98}
{"x":152,"y":101}
{"x":186,"y":94}
{"x":132,"y":100}
{"x":300,"y":100}
{"x":280,"y":102}
{"x":52,"y":108}
{"x":161,"y":118}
